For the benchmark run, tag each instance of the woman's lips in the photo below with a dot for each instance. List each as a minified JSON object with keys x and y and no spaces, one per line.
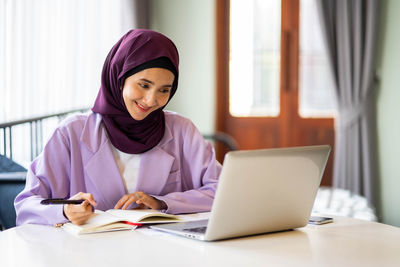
{"x":141,"y":108}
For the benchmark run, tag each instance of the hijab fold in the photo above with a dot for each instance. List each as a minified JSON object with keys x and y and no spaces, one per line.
{"x":135,"y":48}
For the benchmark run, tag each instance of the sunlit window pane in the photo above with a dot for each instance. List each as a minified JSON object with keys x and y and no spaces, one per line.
{"x":316,"y":86}
{"x":254,"y":64}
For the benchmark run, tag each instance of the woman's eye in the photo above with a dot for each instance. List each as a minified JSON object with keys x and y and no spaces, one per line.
{"x":143,"y":85}
{"x":164,"y":91}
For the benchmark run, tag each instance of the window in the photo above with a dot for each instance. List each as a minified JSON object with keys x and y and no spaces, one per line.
{"x":277,"y":90}
{"x":51,"y":57}
{"x":254,"y":65}
{"x":52,"y":53}
{"x":316,"y":85}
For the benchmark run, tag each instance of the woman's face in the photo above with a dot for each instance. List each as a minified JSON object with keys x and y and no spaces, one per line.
{"x":146,"y":91}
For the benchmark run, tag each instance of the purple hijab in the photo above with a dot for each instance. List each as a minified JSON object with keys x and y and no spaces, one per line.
{"x":133,"y":49}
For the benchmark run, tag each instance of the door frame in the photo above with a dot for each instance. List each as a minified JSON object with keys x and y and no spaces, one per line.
{"x":322,"y":129}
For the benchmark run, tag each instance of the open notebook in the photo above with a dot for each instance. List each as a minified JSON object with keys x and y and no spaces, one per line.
{"x":116,"y":220}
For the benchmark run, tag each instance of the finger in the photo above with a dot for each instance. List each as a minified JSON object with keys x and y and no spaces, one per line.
{"x":131,"y":200}
{"x":88,"y":206}
{"x":84,"y":206}
{"x":76,"y":208}
{"x":140,"y":196}
{"x":81,"y":214}
{"x":76,"y":196}
{"x":121,"y":202}
{"x":148,"y":201}
{"x":89,"y":197}
{"x":75,"y":217}
{"x":77,"y":212}
{"x":78,"y":216}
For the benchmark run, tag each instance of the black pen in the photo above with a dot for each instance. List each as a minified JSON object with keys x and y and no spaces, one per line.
{"x":58,"y":201}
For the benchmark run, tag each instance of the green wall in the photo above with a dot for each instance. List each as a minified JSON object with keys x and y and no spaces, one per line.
{"x":191,"y":25}
{"x":388,"y":109}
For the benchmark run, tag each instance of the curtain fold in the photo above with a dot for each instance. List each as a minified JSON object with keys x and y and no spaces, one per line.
{"x":350,"y":31}
{"x":141,"y":10}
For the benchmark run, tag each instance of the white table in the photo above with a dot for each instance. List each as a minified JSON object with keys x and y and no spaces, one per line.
{"x":346,"y":242}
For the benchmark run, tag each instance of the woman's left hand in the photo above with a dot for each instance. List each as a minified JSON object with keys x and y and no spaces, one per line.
{"x":144,"y":201}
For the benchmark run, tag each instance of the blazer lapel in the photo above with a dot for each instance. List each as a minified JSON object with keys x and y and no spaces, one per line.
{"x":102,"y":170}
{"x":155,"y":166}
{"x":101,"y":167}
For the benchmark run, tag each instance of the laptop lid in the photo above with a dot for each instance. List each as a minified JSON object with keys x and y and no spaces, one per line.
{"x":264,"y":190}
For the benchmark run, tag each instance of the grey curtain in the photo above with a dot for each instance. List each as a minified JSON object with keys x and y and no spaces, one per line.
{"x":350,"y":29}
{"x":142,"y":13}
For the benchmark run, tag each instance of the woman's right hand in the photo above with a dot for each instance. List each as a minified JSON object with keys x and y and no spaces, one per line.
{"x":79,"y":214}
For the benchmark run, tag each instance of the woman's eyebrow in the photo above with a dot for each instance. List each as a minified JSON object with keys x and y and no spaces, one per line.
{"x":147,"y":81}
{"x":150,"y":82}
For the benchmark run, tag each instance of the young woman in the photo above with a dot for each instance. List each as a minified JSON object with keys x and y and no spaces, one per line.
{"x":128,"y":152}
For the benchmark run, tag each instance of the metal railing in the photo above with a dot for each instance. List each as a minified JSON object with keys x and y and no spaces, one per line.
{"x":36,"y":132}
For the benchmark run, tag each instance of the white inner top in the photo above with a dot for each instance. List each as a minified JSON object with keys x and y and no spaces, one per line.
{"x":128,"y":165}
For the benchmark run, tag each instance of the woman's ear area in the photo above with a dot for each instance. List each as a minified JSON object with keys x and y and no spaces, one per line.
{"x":123,"y":82}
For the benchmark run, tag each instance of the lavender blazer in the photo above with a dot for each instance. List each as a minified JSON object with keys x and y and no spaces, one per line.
{"x":181,"y":170}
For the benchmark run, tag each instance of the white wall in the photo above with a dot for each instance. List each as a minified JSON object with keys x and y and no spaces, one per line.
{"x":190,"y":24}
{"x":388,"y":117}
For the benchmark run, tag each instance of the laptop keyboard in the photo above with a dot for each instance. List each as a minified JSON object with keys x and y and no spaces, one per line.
{"x":201,"y":230}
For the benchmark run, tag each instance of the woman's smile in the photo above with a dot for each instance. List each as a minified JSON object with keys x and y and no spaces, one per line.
{"x":142,"y":108}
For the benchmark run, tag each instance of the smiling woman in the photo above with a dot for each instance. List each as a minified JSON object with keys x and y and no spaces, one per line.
{"x":128,"y":152}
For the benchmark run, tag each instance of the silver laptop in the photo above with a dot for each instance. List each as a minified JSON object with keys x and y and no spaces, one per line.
{"x":260,"y":191}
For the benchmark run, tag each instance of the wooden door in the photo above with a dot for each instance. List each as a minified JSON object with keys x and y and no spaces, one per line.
{"x":287,"y":128}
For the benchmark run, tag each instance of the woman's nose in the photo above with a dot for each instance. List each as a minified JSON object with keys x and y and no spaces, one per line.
{"x":150,"y":99}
